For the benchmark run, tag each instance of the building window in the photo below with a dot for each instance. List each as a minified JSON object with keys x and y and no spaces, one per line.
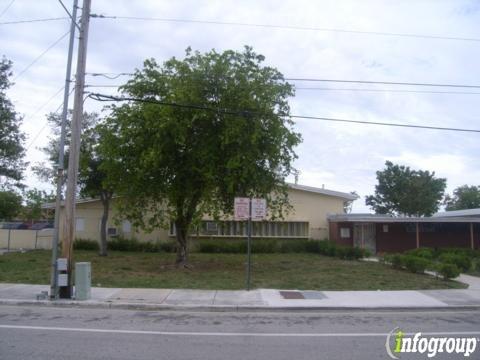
{"x":79,"y":224}
{"x":385,"y":228}
{"x":126,"y":226}
{"x":345,"y":233}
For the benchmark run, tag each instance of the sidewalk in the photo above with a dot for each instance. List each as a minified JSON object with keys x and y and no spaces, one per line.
{"x":260,"y":299}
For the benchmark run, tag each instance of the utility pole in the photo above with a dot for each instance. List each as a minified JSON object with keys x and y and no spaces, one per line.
{"x":61,"y":151}
{"x":74,"y":156}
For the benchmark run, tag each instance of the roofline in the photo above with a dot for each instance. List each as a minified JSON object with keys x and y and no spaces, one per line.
{"x":77,"y":201}
{"x":339,"y":194}
{"x":463,"y":212}
{"x":388,"y":219}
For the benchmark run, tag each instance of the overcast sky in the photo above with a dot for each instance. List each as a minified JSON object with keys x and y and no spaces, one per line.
{"x":343,"y":157}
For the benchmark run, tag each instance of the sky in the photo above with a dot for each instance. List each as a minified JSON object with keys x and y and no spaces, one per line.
{"x":339,"y":156}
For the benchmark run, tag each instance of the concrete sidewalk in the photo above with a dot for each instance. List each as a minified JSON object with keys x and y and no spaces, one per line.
{"x":260,"y":299}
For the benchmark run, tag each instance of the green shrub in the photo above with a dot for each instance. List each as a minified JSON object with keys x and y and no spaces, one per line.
{"x":416,"y":264}
{"x":295,"y":246}
{"x":458,"y":251}
{"x":221,"y":246}
{"x":262,"y":246}
{"x":425,"y":253}
{"x":86,"y":244}
{"x":396,"y":260}
{"x":448,"y":271}
{"x":312,"y":246}
{"x":463,"y":262}
{"x":327,"y":248}
{"x":167,"y":246}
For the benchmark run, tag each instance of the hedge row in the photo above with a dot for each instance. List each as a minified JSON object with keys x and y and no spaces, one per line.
{"x":259,"y":246}
{"x":448,"y":262}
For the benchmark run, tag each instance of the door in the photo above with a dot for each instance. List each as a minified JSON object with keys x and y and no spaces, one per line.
{"x":364,"y":237}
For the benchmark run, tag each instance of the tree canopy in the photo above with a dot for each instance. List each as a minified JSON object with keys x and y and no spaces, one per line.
{"x":34,"y":199}
{"x":198,"y":132}
{"x":10,"y":205}
{"x":403,"y":191}
{"x":463,"y":197}
{"x":12,"y":140}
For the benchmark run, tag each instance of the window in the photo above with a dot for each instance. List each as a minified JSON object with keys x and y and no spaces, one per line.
{"x":126,"y":226}
{"x":79,"y":224}
{"x":385,"y":228}
{"x":345,"y":233}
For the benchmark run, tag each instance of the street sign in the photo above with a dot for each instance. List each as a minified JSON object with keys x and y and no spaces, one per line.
{"x":259,"y":209}
{"x":241,"y":208}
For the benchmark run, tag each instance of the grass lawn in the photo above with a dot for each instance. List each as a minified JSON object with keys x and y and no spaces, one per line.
{"x":222,"y":271}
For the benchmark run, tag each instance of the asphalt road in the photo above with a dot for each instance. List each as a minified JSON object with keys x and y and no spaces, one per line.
{"x":81,"y":333}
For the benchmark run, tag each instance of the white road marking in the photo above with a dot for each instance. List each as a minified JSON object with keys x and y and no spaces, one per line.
{"x":252,"y":334}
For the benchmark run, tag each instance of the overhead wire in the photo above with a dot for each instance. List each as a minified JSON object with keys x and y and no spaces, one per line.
{"x":6,"y":8}
{"x":336,"y":89}
{"x":46,"y":124}
{"x":32,"y":20}
{"x":113,"y":76}
{"x":108,"y":98}
{"x":41,"y":55}
{"x":287,"y":27}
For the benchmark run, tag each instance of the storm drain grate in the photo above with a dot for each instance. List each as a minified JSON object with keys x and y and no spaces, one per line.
{"x":292,"y":295}
{"x":314,"y":295}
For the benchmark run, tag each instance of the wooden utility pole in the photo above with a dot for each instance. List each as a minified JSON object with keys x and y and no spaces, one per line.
{"x":61,"y":152}
{"x":68,"y":234}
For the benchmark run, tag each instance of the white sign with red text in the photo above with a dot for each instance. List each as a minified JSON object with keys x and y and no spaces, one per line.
{"x":241,"y":208}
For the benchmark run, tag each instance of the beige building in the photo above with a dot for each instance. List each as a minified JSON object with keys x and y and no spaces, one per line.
{"x":308,"y":219}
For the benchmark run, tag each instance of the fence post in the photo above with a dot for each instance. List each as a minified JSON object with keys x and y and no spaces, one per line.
{"x":36,"y":239}
{"x":8,"y":243}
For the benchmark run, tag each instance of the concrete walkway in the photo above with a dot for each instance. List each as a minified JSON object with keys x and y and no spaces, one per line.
{"x":263,"y":299}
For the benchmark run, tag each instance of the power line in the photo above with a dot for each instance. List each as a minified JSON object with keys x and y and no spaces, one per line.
{"x":41,"y":55}
{"x":32,"y":21}
{"x":337,"y":89}
{"x":113,"y":76}
{"x":287,"y":27}
{"x":68,"y":12}
{"x":6,"y":8}
{"x":44,"y":126}
{"x":108,"y":98}
{"x":384,"y":83}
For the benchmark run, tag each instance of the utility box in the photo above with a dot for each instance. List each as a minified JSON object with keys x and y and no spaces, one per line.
{"x":83,"y":280}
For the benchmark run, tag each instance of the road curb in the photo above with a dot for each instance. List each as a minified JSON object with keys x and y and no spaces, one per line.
{"x":222,"y":308}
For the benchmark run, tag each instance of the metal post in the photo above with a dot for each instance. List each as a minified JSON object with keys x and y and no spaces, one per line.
{"x":74,"y":156}
{"x":61,"y":150}
{"x":8,"y":243}
{"x":472,"y":242}
{"x":36,"y":239}
{"x":418,"y":235}
{"x":249,"y":243}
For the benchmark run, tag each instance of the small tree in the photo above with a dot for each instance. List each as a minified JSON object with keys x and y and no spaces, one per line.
{"x":91,"y":177}
{"x":10,"y":205}
{"x":34,"y":199}
{"x":402,"y":191}
{"x":464,"y":197}
{"x":225,"y":132}
{"x":12,"y":139}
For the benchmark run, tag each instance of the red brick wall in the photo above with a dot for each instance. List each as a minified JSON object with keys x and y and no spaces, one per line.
{"x":335,"y":233}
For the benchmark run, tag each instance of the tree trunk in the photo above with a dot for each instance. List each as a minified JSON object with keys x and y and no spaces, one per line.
{"x":103,"y":227}
{"x":182,"y":259}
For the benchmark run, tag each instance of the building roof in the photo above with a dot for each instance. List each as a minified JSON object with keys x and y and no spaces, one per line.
{"x":341,"y":195}
{"x":456,"y":213}
{"x":323,"y":191}
{"x":372,"y":218}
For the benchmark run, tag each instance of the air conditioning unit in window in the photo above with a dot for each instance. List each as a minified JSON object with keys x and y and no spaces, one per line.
{"x":112,"y":232}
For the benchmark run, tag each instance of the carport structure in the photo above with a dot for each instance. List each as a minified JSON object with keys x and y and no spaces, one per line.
{"x":381,"y":233}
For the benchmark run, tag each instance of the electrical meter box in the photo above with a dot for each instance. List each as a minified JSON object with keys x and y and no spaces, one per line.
{"x":83,"y":280}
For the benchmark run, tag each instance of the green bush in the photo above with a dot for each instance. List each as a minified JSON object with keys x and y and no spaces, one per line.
{"x":296,"y":246}
{"x":448,"y":271}
{"x":416,"y":264}
{"x":396,"y":260}
{"x":425,"y":253}
{"x":86,"y":244}
{"x":261,"y":246}
{"x":463,"y":262}
{"x":221,"y":246}
{"x":122,"y":244}
{"x":458,"y":251}
{"x":327,"y":248}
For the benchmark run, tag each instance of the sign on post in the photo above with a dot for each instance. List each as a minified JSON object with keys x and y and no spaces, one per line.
{"x":241,"y":208}
{"x":259,"y":209}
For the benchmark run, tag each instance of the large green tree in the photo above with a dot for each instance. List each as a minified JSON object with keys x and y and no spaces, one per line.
{"x":403,"y":191}
{"x":12,"y":140}
{"x":34,"y":199}
{"x":198,"y":132}
{"x":463,"y":197}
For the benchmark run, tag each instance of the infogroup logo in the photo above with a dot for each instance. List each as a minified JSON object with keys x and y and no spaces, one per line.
{"x":429,"y":345}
